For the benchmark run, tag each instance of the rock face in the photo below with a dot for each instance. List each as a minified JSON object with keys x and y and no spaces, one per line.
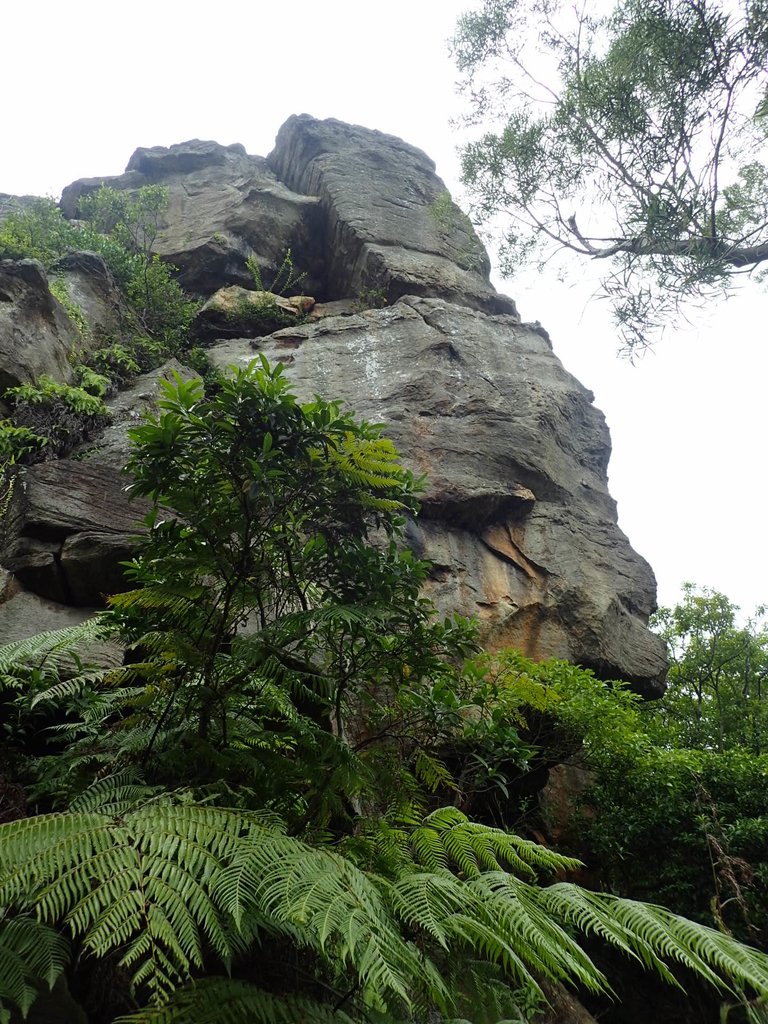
{"x":390,"y":224}
{"x":517,"y":519}
{"x":36,"y":336}
{"x":223,"y":206}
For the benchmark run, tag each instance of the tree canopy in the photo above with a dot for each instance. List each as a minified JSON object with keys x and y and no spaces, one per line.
{"x":637,"y":138}
{"x":717,"y":697}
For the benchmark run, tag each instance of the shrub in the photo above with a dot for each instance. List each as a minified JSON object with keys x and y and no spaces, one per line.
{"x":62,"y":414}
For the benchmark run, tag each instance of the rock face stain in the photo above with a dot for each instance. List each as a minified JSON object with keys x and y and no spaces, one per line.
{"x":407,"y":331}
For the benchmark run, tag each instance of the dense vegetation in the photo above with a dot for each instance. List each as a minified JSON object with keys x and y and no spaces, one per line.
{"x":258,"y":796}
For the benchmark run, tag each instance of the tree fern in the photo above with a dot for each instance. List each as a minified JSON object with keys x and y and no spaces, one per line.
{"x":31,"y":954}
{"x":167,"y":884}
{"x":51,"y":655}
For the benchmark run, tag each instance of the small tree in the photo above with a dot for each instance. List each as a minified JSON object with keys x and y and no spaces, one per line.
{"x":635,"y":138}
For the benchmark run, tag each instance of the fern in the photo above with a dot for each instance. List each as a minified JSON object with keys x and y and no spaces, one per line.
{"x":51,"y":654}
{"x":166,"y":884}
{"x":448,"y":838}
{"x":31,"y":954}
{"x":224,"y":1001}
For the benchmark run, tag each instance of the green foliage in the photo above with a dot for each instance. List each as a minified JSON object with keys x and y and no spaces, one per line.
{"x":716,"y":697}
{"x":287,"y":279}
{"x":370,"y":298}
{"x":262,"y":606}
{"x":124,"y":227}
{"x":31,"y":953}
{"x":16,"y":442}
{"x":59,"y":291}
{"x":117,"y":362}
{"x":37,"y":231}
{"x":166,"y":884}
{"x":256,"y":314}
{"x":629,"y":138}
{"x":62,"y":414}
{"x":707,"y":811}
{"x":132,"y":219}
{"x":248,"y":828}
{"x":121,"y":227}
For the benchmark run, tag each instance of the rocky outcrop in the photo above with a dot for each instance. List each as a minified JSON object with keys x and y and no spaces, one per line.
{"x":36,"y":336}
{"x":390,"y":224}
{"x":92,"y":291}
{"x":68,"y":528}
{"x":517,"y":519}
{"x":364,"y":215}
{"x":248,"y":313}
{"x":516,"y":516}
{"x":223,"y":206}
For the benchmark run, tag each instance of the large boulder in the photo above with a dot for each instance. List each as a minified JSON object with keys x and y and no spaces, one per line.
{"x":93,"y":296}
{"x":36,"y":335}
{"x":69,"y":524}
{"x":223,"y":207}
{"x":68,"y":527}
{"x":390,"y":225}
{"x":516,"y":517}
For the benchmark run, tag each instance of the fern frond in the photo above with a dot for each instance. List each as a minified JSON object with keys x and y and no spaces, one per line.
{"x":140,"y":882}
{"x":114,"y":794}
{"x":55,"y":651}
{"x":176,"y":602}
{"x":338,"y":909}
{"x":432,"y":772}
{"x":225,"y":1001}
{"x":31,"y":954}
{"x":655,"y":934}
{"x":447,"y":837}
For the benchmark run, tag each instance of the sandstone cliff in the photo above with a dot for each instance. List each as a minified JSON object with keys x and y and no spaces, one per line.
{"x":407,"y":329}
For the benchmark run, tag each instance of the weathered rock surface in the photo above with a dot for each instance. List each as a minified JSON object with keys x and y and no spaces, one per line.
{"x":70,"y":524}
{"x":36,"y":335}
{"x":390,"y":224}
{"x":248,"y":313}
{"x":516,"y":518}
{"x":112,"y":446}
{"x":363,"y":214}
{"x":68,"y":527}
{"x":223,"y":206}
{"x":91,"y":289}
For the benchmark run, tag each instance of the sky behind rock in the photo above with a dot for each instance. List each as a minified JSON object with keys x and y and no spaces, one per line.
{"x":93,"y":81}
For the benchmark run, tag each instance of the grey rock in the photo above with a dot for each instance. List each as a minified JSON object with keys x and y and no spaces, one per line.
{"x":70,"y":523}
{"x":92,"y":290}
{"x":36,"y":335}
{"x":516,"y":517}
{"x":390,"y":224}
{"x":25,"y":614}
{"x":223,"y":206}
{"x":247,"y":312}
{"x":68,"y":527}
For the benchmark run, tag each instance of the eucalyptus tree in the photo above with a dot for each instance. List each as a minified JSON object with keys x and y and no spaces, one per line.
{"x":635,"y":137}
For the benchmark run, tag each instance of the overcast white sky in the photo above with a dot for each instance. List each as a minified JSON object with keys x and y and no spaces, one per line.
{"x":86,"y":82}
